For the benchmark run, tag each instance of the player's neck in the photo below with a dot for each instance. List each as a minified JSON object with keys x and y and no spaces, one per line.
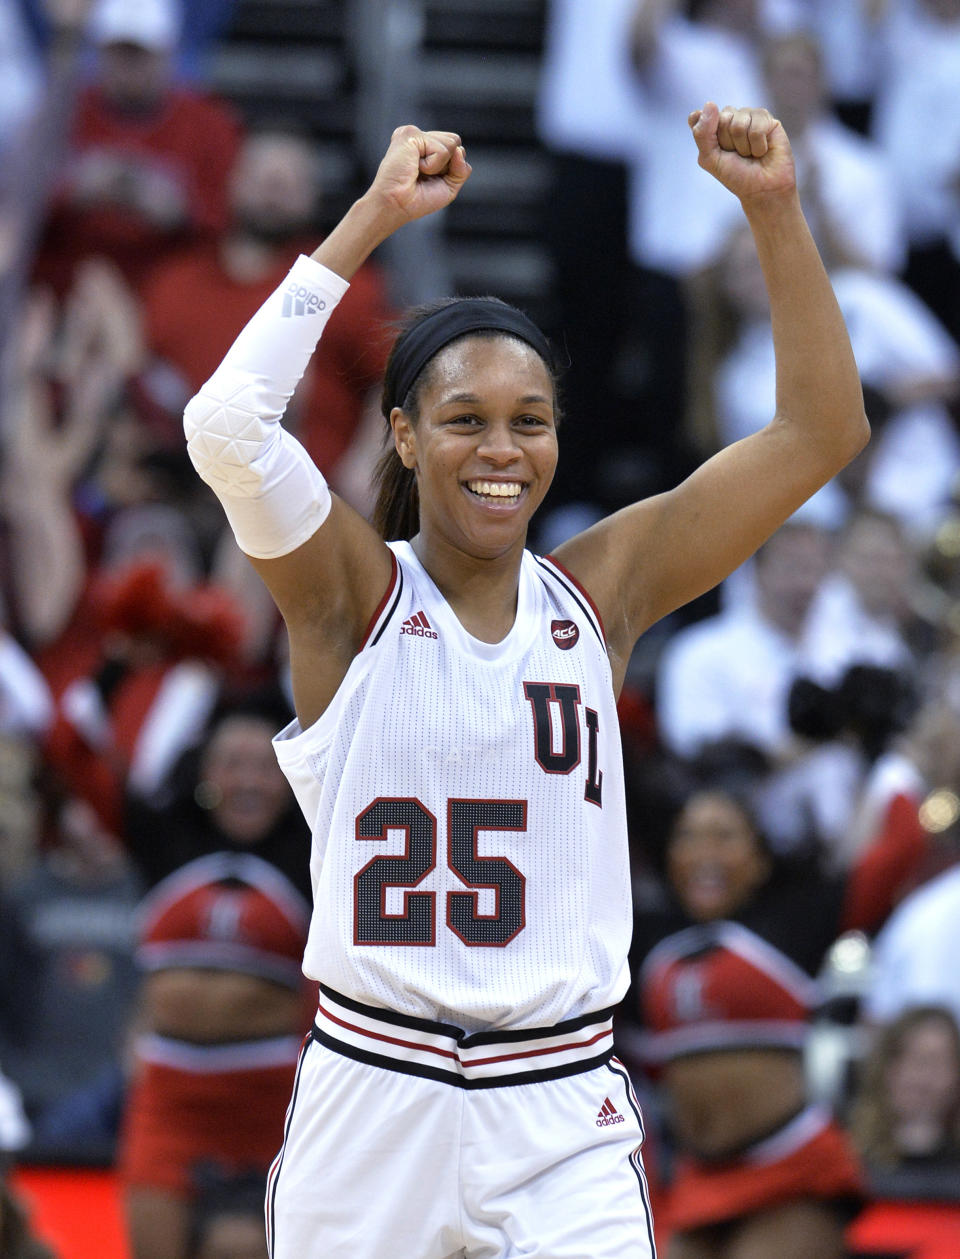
{"x":481,"y":591}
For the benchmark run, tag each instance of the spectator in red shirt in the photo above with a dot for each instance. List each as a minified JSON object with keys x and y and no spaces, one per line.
{"x":274,"y":194}
{"x":148,"y":161}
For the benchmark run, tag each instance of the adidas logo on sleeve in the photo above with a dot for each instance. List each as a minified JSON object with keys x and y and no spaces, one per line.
{"x":418,"y":626}
{"x":298,"y":300}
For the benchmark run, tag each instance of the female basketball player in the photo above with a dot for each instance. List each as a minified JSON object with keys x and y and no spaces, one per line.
{"x":456,"y":750}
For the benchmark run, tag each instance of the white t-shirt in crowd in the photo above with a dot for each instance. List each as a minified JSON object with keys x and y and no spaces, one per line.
{"x":915,"y":955}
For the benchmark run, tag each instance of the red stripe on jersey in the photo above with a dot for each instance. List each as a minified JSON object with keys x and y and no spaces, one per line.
{"x":391,"y":586}
{"x":552,"y":559}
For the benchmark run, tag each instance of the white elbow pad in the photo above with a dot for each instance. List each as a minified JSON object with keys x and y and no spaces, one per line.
{"x":272,"y":492}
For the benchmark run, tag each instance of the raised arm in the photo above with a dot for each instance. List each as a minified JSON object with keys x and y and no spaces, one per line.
{"x":324,"y":565}
{"x":658,"y":554}
{"x":88,"y":355}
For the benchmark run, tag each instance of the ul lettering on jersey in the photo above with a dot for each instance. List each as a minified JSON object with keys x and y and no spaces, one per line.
{"x":556,"y":732}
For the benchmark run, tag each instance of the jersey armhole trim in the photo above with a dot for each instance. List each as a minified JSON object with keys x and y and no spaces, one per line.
{"x":577,"y":591}
{"x":381,"y":617}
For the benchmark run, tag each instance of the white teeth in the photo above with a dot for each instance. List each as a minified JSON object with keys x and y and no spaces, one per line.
{"x":496,"y":489}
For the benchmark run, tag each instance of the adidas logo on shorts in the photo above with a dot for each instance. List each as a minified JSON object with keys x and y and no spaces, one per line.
{"x":298,"y":300}
{"x":418,"y":626}
{"x":608,"y":1114}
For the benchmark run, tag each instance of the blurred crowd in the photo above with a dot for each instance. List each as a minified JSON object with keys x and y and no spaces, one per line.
{"x":792,"y":741}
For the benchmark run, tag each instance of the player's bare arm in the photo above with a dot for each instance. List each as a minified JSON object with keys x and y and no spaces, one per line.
{"x":658,"y":554}
{"x":338,"y":576}
{"x":328,"y":587}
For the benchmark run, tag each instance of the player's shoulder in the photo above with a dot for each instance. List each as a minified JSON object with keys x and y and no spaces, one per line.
{"x":567,"y":588}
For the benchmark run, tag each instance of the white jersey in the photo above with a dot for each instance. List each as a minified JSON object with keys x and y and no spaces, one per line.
{"x":466,"y":800}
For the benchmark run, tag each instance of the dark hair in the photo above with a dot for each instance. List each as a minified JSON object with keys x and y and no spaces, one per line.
{"x":268,"y":705}
{"x":396,"y":512}
{"x":737,"y":798}
{"x":732,"y":771}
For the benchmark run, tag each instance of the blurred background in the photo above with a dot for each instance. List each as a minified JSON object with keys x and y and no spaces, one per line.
{"x":791,"y":740}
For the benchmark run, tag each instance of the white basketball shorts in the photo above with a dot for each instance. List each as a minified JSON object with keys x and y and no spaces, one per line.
{"x":386,"y":1162}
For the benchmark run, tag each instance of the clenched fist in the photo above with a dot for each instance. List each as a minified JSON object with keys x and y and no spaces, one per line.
{"x":747,"y":150}
{"x":421,"y":171}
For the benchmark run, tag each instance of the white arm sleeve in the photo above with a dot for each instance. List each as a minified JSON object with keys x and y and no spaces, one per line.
{"x":270,"y":488}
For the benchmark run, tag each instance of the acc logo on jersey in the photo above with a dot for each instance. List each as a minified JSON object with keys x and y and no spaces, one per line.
{"x":565,"y":633}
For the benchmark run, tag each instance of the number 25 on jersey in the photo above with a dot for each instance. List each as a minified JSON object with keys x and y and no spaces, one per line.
{"x":416,"y":923}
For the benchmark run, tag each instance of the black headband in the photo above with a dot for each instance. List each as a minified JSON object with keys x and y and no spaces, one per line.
{"x":429,"y":336}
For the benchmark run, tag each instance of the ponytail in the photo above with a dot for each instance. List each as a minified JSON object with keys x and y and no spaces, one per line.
{"x":396,"y":513}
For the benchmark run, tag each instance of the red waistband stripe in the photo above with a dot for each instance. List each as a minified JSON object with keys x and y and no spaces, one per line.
{"x":416,"y":1048}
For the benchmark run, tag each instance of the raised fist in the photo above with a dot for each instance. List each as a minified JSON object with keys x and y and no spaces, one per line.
{"x":421,"y":171}
{"x":747,"y":150}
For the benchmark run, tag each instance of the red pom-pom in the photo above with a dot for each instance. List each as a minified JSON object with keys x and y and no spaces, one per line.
{"x":202,"y":622}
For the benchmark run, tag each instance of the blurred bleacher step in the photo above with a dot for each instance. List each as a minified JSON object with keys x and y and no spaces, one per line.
{"x":289,"y":62}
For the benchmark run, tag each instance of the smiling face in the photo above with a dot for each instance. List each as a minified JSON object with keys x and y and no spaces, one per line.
{"x":715,"y":860}
{"x":483,"y":445}
{"x":248,"y":786}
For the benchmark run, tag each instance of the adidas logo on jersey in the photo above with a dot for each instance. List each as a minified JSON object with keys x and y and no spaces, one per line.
{"x":418,"y":626}
{"x":608,"y":1114}
{"x":298,"y":300}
